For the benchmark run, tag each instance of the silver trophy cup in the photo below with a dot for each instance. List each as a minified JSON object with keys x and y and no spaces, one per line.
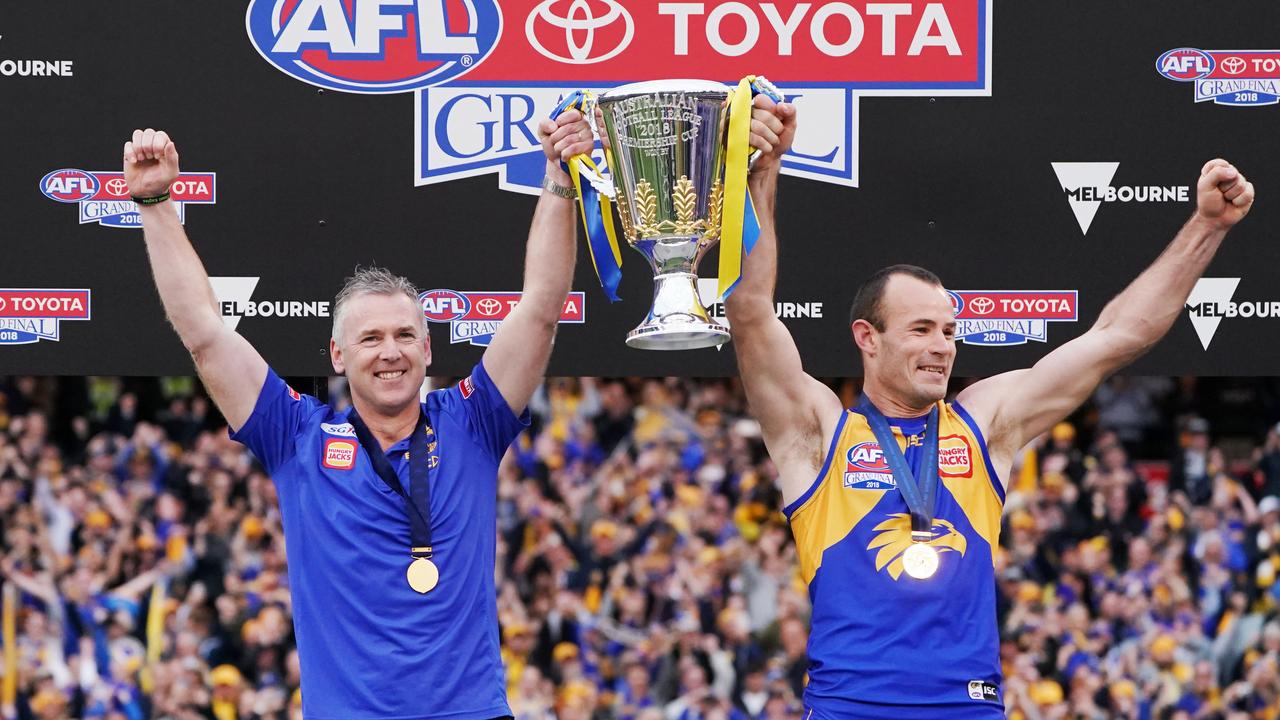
{"x":667,"y":140}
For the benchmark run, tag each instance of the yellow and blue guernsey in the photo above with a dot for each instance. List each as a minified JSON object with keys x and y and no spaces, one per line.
{"x":884,"y":644}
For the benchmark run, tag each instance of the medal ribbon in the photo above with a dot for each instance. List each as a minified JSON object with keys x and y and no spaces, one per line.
{"x":739,"y":228}
{"x":596,"y":207}
{"x":418,"y":500}
{"x":922,"y":497}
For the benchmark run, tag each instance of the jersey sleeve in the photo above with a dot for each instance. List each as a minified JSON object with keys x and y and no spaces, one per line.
{"x":279,"y":416}
{"x":486,"y":412}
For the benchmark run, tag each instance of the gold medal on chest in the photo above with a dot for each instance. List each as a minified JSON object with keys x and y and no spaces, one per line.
{"x":423,"y":575}
{"x":920,"y":561}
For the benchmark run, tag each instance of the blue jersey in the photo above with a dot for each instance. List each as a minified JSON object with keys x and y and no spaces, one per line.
{"x":884,"y":644}
{"x":369,"y":646}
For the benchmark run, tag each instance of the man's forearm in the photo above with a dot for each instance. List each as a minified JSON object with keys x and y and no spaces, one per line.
{"x":549,"y":258}
{"x":180,"y":277}
{"x":1144,"y":311}
{"x":753,"y":298}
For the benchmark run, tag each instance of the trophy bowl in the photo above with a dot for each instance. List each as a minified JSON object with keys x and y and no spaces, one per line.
{"x":667,"y":140}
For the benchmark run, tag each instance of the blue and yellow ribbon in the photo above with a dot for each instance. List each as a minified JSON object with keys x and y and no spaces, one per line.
{"x":739,"y":228}
{"x":595,"y":206}
{"x":155,"y":633}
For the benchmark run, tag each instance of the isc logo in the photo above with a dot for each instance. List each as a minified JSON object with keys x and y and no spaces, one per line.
{"x":374,"y":46}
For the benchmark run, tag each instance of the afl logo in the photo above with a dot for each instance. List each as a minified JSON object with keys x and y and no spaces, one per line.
{"x":867,"y":457}
{"x":374,"y":46}
{"x":444,"y":305}
{"x":69,"y":186}
{"x":589,"y":31}
{"x":957,"y":302}
{"x":1185,"y":64}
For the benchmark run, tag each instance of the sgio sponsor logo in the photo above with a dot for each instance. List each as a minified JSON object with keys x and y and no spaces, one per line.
{"x":474,"y":316}
{"x":30,"y":315}
{"x":1010,"y":317}
{"x":103,"y":197}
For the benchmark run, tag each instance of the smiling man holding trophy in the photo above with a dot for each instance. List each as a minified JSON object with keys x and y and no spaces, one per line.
{"x":896,"y":503}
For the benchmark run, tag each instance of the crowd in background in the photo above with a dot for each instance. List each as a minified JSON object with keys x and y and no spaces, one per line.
{"x":644,"y":569}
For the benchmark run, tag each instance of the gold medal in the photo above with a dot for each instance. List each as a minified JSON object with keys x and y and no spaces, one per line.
{"x":423,"y":575}
{"x":920,"y":561}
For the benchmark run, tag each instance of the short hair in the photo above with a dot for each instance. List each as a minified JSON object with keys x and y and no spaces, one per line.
{"x":372,"y":280}
{"x":868,"y":304}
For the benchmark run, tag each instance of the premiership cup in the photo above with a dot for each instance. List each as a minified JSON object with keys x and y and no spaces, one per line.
{"x":667,"y":141}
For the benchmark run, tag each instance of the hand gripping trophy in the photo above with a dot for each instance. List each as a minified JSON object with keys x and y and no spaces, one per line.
{"x":678,"y":154}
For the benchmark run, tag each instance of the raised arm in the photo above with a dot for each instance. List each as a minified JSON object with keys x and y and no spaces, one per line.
{"x":231,"y":369}
{"x":1017,"y":406}
{"x":797,"y":413}
{"x":517,"y":357}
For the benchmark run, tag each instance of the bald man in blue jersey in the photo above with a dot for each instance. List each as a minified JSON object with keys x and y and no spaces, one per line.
{"x":895,"y":503}
{"x":388,"y":507}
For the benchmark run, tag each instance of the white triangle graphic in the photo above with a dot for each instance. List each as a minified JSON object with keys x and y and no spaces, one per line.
{"x":708,"y":295}
{"x":1075,"y":175}
{"x":237,"y":290}
{"x":1218,"y":291}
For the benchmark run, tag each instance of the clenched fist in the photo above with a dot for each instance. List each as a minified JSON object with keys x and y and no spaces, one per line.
{"x":1223,"y":195}
{"x":773,"y":129}
{"x":150,"y":163}
{"x":562,"y":138}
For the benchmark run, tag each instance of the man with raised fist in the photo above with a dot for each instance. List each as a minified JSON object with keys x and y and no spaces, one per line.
{"x":389,"y":507}
{"x":895,"y":504}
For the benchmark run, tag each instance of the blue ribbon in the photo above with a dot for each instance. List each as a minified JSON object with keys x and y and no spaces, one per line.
{"x":751,"y":223}
{"x":922,"y":499}
{"x":596,"y":209}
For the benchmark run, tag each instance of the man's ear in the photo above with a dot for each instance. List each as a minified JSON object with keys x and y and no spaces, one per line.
{"x":335,"y":357}
{"x":865,"y":336}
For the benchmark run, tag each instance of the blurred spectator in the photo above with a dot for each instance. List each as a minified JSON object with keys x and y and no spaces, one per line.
{"x":645,"y":572}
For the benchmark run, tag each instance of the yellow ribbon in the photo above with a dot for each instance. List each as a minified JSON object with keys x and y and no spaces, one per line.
{"x":735,"y":185}
{"x":594,"y":225}
{"x":155,"y":633}
{"x":10,"y":692}
{"x":606,"y":207}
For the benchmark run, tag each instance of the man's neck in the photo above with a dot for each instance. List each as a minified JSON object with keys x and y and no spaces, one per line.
{"x":891,"y":405}
{"x":388,"y":429}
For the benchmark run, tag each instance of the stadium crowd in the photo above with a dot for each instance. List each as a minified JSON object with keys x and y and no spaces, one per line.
{"x":645,"y":571}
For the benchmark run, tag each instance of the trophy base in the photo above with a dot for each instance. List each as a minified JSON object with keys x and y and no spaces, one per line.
{"x":677,"y":320}
{"x":678,"y":336}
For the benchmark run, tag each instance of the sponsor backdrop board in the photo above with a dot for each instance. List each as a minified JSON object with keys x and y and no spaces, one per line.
{"x":1036,"y":155}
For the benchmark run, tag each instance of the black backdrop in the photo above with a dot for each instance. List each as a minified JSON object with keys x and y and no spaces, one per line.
{"x":309,"y":184}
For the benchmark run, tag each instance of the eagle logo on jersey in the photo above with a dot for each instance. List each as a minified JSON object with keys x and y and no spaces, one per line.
{"x":895,"y":538}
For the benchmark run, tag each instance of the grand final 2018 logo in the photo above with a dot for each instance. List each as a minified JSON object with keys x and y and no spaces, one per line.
{"x":999,"y":318}
{"x":474,"y":316}
{"x":1242,"y":78}
{"x":484,"y":74}
{"x":103,"y":196}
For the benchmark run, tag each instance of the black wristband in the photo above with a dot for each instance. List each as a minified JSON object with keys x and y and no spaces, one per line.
{"x":152,"y":200}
